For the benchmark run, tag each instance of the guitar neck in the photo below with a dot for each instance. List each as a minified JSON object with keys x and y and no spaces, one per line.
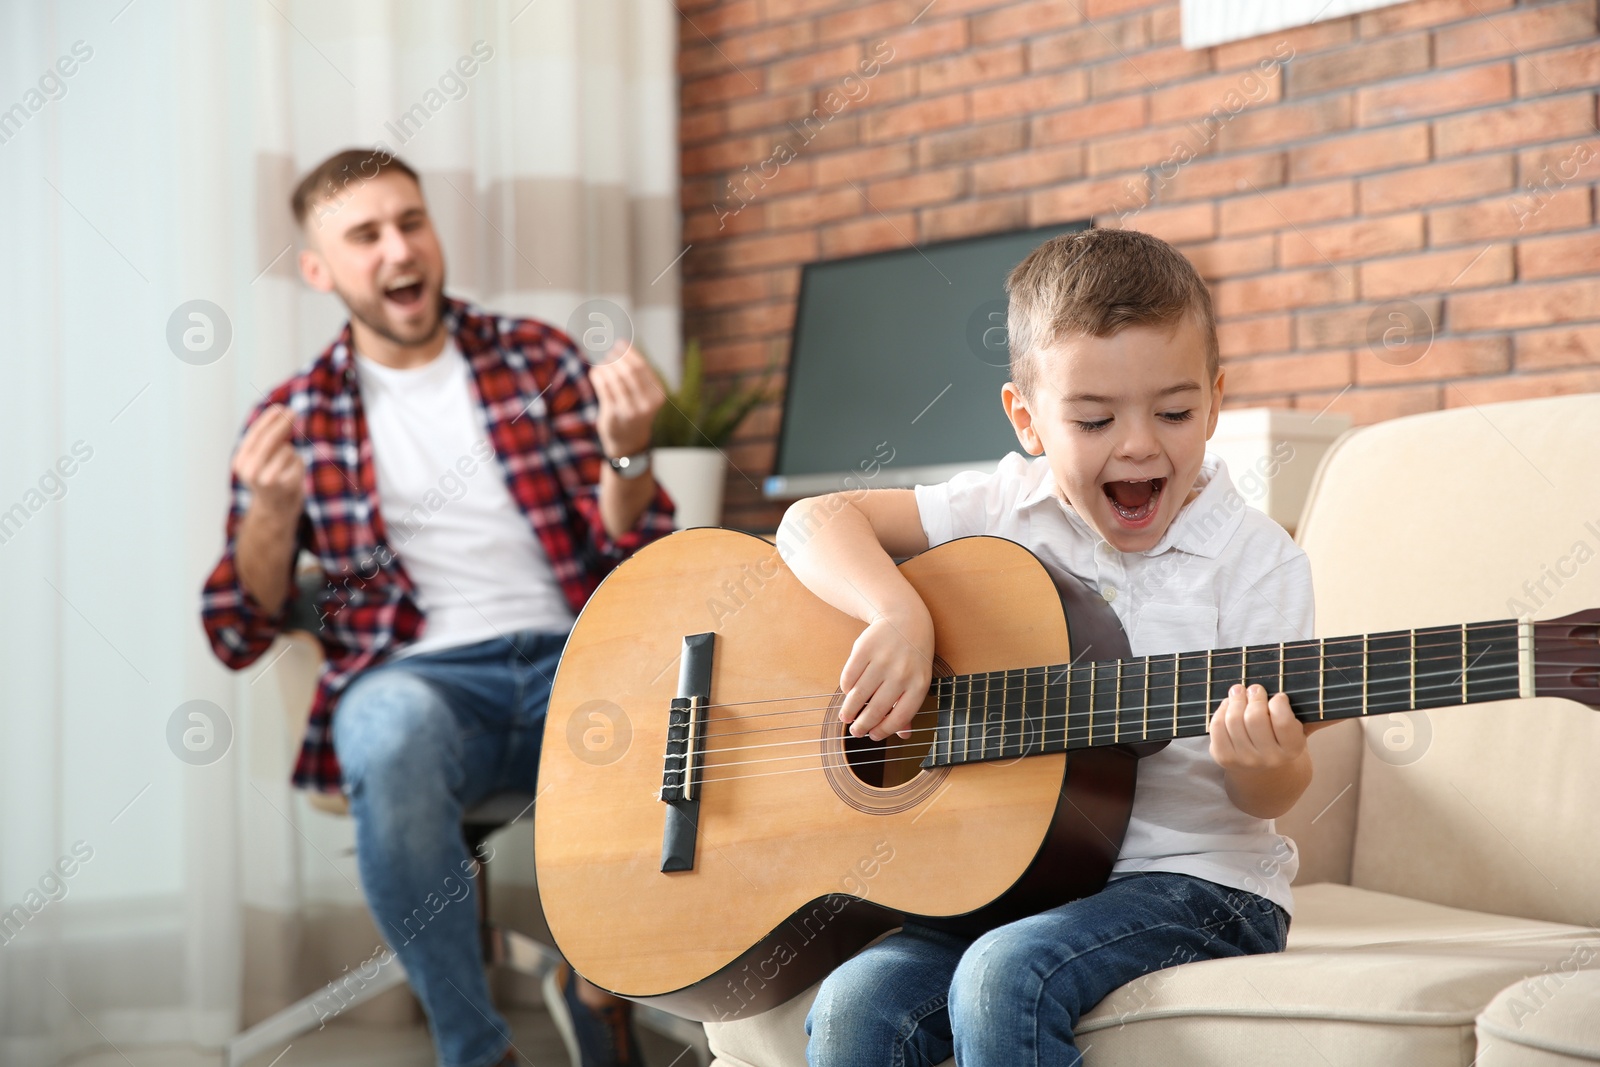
{"x":1058,"y":708}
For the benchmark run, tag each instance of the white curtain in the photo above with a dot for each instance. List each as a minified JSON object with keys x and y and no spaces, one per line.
{"x":159,"y":881}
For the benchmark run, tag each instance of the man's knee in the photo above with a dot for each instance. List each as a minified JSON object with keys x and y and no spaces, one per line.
{"x":392,"y":725}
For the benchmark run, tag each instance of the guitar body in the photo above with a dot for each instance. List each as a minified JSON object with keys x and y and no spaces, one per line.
{"x":806,"y":845}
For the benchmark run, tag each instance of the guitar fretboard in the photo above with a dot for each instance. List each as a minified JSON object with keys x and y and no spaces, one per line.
{"x":1058,"y":708}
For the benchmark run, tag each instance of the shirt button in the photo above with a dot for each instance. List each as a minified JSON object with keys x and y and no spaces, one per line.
{"x":1109,"y":593}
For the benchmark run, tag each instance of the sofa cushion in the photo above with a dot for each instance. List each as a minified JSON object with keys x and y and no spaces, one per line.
{"x":1551,"y":1019}
{"x":1367,"y":978}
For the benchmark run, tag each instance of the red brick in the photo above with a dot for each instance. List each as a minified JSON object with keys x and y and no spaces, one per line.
{"x":1223,"y":94}
{"x":1283,"y":290}
{"x":746,"y":49}
{"x":1166,"y":24}
{"x":1040,"y":166}
{"x":1286,"y":374}
{"x":908,"y":120}
{"x":1525,"y":305}
{"x":1085,"y":200}
{"x":1444,"y":359}
{"x":1024,"y":20}
{"x":720,"y":18}
{"x":768,"y":111}
{"x":1464,"y":179}
{"x":1106,"y":9}
{"x":864,"y":20}
{"x":1553,"y":257}
{"x":1436,"y":94}
{"x":1046,"y":92}
{"x":1361,"y":64}
{"x":1457,"y":268}
{"x":1227,"y":258}
{"x":1378,"y":404}
{"x":718,"y":87}
{"x":970,"y":68}
{"x":1077,"y":123}
{"x":700,"y":293}
{"x":1558,"y":166}
{"x":748,"y":320}
{"x":1285,"y":123}
{"x":1521,"y":387}
{"x":1341,"y":241}
{"x":1186,"y":222}
{"x":726,"y":357}
{"x":810,"y":209}
{"x":972,"y":143}
{"x":1166,"y":147}
{"x":1234,"y":174}
{"x":1510,"y":216}
{"x":1144,"y":70}
{"x":1514,"y":33}
{"x":1360,"y":153}
{"x":698,"y":126}
{"x":1570,"y":68}
{"x":1300,"y":41}
{"x":1517,"y":124}
{"x":727,"y":154}
{"x":825,"y":66}
{"x":728,"y":217}
{"x":973,"y":217}
{"x":1288,"y":207}
{"x":1085,"y":43}
{"x":696,"y":61}
{"x":797,"y":247}
{"x":917,"y":190}
{"x":861,"y":163}
{"x":1419,"y":13}
{"x":1565,"y":347}
{"x":931,"y":38}
{"x":873,"y":233}
{"x":1348,"y":326}
{"x":1250,"y":337}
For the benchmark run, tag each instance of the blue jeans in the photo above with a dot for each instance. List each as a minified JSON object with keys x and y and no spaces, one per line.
{"x":1013,"y":997}
{"x":421,"y":739}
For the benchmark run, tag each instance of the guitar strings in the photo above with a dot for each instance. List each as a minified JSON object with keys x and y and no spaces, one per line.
{"x":1185,"y":719}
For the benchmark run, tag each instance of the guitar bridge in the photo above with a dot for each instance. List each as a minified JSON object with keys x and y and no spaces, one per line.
{"x":681,"y":767}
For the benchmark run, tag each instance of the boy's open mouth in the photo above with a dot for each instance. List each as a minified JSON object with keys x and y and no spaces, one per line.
{"x":1135,"y":502}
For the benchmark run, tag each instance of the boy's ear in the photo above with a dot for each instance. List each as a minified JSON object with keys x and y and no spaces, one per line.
{"x":314,"y":269}
{"x":1016,"y":406}
{"x":1216,"y":405}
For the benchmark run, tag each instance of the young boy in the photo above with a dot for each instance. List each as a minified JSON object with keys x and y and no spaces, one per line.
{"x":1115,"y":388}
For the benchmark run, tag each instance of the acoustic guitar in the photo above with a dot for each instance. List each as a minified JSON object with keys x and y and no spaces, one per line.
{"x":710,"y":839}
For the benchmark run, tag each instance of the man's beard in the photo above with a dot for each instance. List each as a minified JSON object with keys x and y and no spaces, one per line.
{"x":373,"y":315}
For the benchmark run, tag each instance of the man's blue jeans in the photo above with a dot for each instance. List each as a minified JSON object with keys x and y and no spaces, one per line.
{"x":421,"y":739}
{"x":1013,"y":997}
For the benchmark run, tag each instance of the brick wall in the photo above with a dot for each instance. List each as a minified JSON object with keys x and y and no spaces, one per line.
{"x":1440,"y":153}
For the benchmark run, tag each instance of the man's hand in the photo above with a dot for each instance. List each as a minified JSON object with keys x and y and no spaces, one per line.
{"x":268,"y":464}
{"x":630,"y":395}
{"x":1261,"y":748}
{"x":886,"y":677}
{"x":264,"y":547}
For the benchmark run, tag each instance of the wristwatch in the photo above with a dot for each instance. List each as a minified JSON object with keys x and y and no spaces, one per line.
{"x":631,"y":466}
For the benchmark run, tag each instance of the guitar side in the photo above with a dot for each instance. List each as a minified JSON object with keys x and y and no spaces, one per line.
{"x":807,"y":844}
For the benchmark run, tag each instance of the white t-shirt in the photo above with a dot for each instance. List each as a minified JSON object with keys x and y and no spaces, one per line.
{"x":1222,"y":575}
{"x":478,"y":567}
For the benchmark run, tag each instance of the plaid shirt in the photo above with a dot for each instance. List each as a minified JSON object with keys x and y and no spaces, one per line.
{"x":540,"y":409}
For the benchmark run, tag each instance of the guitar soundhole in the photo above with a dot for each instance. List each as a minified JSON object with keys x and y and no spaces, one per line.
{"x":883,"y":777}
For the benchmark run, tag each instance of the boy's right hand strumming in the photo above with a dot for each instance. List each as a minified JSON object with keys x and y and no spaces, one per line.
{"x":841,"y":547}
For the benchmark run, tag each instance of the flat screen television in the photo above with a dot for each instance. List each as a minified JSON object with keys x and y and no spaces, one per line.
{"x":896,"y":364}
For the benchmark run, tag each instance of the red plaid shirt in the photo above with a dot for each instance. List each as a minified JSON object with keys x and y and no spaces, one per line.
{"x":540,"y":409}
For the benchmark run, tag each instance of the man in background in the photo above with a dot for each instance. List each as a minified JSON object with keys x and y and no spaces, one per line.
{"x":465,"y":480}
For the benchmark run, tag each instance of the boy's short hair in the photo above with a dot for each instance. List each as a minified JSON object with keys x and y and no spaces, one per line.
{"x":1095,"y":283}
{"x":330,"y":179}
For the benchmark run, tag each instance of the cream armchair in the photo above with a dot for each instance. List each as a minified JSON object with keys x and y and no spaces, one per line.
{"x":1449,"y":892}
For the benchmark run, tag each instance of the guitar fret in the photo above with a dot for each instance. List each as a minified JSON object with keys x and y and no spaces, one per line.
{"x":1322,"y":677}
{"x":1116,"y":709}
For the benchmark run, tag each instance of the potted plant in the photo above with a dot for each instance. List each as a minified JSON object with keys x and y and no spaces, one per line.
{"x":689,"y":434}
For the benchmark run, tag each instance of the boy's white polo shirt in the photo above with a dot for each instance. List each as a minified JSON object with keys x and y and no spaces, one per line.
{"x":1222,"y":575}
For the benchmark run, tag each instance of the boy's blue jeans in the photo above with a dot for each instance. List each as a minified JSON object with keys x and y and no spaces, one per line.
{"x":421,"y":739}
{"x":1013,"y":997}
